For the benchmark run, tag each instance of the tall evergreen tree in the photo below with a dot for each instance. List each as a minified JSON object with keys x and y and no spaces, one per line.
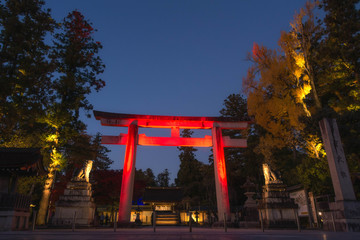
{"x":146,"y":176}
{"x":78,"y":64}
{"x":150,"y":178}
{"x":44,"y":87}
{"x":337,"y":56}
{"x":25,"y":71}
{"x":75,"y":55}
{"x":190,"y":175}
{"x":240,"y":163}
{"x":163,"y":178}
{"x":85,"y":147}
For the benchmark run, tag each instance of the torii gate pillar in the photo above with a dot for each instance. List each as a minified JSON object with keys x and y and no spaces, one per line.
{"x":222,"y":196}
{"x":127,"y":184}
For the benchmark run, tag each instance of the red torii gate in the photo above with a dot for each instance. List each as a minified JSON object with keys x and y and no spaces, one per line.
{"x":175,"y":123}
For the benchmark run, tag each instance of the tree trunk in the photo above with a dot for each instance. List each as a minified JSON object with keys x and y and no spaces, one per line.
{"x":315,"y":95}
{"x":44,"y":203}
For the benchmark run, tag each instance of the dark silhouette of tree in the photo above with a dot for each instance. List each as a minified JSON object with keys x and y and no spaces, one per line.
{"x":163,"y":178}
{"x":190,"y":175}
{"x":85,"y":147}
{"x":75,"y":56}
{"x":240,"y":162}
{"x":25,"y":71}
{"x":107,"y":187}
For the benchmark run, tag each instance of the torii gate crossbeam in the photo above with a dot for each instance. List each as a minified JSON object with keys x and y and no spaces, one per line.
{"x":175,"y":123}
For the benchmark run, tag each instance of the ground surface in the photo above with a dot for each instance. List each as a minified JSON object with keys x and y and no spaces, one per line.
{"x":166,"y":233}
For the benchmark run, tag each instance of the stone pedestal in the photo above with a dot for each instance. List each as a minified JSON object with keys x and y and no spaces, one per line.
{"x":276,"y":207}
{"x":77,"y":198}
{"x":343,"y":216}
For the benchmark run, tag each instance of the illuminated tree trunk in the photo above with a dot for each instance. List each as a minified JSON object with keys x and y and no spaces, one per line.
{"x":44,"y":203}
{"x":56,"y":160}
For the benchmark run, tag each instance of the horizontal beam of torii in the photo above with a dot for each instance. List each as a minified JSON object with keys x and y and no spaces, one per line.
{"x":143,"y":140}
{"x":156,"y":121}
{"x":175,"y":123}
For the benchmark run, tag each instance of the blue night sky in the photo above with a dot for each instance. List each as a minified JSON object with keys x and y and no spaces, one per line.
{"x":173,"y":57}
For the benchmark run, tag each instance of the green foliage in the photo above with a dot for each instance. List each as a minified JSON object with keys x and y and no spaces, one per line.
{"x":44,"y":87}
{"x":208,"y":191}
{"x":145,"y":179}
{"x":146,"y":176}
{"x":32,"y":186}
{"x":84,"y":147}
{"x":190,"y":175}
{"x":189,"y":171}
{"x":75,"y":55}
{"x":78,"y":65}
{"x":235,"y":106}
{"x":314,"y":174}
{"x":338,"y":66}
{"x":337,"y":56}
{"x":25,"y":70}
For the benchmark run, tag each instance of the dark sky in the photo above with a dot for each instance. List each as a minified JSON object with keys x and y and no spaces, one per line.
{"x":172,"y":57}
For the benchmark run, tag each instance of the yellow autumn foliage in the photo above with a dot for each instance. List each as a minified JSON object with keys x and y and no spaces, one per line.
{"x":57,"y":159}
{"x":22,"y":71}
{"x":52,"y":138}
{"x":299,"y":60}
{"x":315,"y":146}
{"x":277,"y":89}
{"x":353,"y":107}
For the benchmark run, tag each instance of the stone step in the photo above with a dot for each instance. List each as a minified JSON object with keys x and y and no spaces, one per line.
{"x":166,"y":218}
{"x":167,"y":222}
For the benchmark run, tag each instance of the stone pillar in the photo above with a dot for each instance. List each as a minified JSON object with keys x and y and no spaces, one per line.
{"x":127,"y":184}
{"x":222,"y":196}
{"x":339,"y":170}
{"x":345,"y":210}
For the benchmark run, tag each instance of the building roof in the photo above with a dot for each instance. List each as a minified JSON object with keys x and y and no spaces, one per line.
{"x":163,"y":194}
{"x":21,"y":160}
